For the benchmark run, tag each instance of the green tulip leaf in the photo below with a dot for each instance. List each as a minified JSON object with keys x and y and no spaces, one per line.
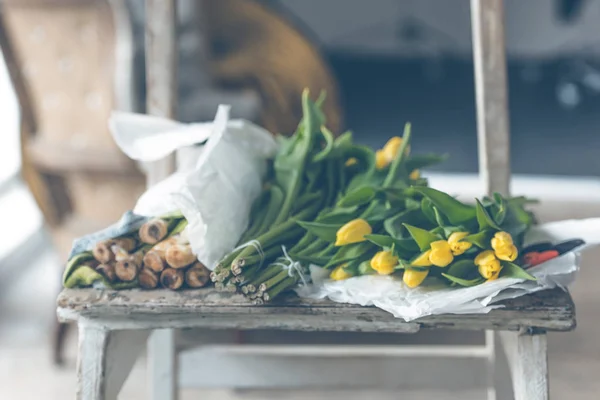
{"x":394,"y":225}
{"x":420,"y":161}
{"x":481,"y":239}
{"x":353,"y":252}
{"x":483,"y":218}
{"x":326,"y":232}
{"x":427,"y":210}
{"x":439,"y":218}
{"x":456,"y":212}
{"x":463,"y":282}
{"x":357,"y":197}
{"x":422,"y":237}
{"x":499,"y":208}
{"x":412,"y":267}
{"x":328,"y":149}
{"x":339,"y":216}
{"x":511,"y":270}
{"x":462,"y":268}
{"x":405,"y":248}
{"x":364,"y":268}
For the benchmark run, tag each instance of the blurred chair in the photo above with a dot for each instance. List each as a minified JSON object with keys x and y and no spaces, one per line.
{"x":70,"y":63}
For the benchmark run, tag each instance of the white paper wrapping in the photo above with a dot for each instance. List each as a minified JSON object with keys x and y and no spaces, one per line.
{"x":394,"y":296}
{"x":216,"y":195}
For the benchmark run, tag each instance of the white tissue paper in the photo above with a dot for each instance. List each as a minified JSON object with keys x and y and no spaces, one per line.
{"x":394,"y":296}
{"x":216,"y":195}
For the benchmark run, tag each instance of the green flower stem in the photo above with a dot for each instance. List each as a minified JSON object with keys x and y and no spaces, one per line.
{"x":265,"y":274}
{"x":395,"y":170}
{"x":306,"y":240}
{"x":273,"y":235}
{"x":271,"y":282}
{"x":316,"y":246}
{"x":281,"y":287}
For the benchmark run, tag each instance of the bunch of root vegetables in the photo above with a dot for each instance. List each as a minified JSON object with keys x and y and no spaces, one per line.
{"x":156,"y":255}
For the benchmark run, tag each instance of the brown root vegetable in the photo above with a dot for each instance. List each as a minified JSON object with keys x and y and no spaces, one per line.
{"x":108,"y":271}
{"x":197,"y":275}
{"x":152,"y":260}
{"x":148,"y":279}
{"x":172,"y":278}
{"x":126,"y":270}
{"x":153,"y":231}
{"x":120,"y":253}
{"x":179,"y":256}
{"x":162,"y":247}
{"x":102,"y":251}
{"x":125,"y":243}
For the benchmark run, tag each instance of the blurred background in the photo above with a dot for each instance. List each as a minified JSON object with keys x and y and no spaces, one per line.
{"x":67,"y":63}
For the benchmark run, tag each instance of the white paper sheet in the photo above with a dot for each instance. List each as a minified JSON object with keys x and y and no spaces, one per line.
{"x":394,"y":296}
{"x":216,"y":195}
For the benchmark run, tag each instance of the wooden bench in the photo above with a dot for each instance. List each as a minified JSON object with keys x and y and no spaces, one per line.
{"x":114,"y":326}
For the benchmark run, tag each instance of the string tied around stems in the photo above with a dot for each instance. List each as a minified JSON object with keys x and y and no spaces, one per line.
{"x":292,"y":266}
{"x":256,"y":244}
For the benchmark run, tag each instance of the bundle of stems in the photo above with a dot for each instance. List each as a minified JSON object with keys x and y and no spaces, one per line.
{"x":306,"y":180}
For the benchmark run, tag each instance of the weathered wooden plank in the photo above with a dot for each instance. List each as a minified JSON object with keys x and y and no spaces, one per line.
{"x":161,"y":73}
{"x":105,"y":360}
{"x":489,"y":57}
{"x":134,"y":309}
{"x":528,"y":361}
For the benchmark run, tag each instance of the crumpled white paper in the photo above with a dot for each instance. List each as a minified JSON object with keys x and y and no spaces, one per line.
{"x":216,"y":195}
{"x":394,"y":296}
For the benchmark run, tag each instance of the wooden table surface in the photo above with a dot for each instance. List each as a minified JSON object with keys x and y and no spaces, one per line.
{"x":551,"y":310}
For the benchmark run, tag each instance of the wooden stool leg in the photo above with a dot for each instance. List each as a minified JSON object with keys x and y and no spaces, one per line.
{"x":162,"y":365}
{"x":528,"y":360}
{"x":105,"y":360}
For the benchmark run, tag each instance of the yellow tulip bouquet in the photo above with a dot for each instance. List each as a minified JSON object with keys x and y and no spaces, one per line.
{"x":336,"y":204}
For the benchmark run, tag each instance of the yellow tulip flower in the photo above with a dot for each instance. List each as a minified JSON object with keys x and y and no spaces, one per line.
{"x":456,"y":246}
{"x":385,"y":156}
{"x":488,"y":265}
{"x":384,"y":262}
{"x":380,"y":160}
{"x":441,"y":254}
{"x":414,"y":278}
{"x":339,"y":274}
{"x":491,"y":270}
{"x":504,"y":247}
{"x":353,"y":232}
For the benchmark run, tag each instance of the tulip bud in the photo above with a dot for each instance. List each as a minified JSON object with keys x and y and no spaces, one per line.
{"x":491,"y":270}
{"x":485,"y":257}
{"x":507,"y":253}
{"x":380,"y":160}
{"x":504,"y":247}
{"x":353,"y":232}
{"x":440,"y":255}
{"x":392,"y":147}
{"x":456,"y":246}
{"x":339,"y":273}
{"x":384,"y":262}
{"x":414,"y":278}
